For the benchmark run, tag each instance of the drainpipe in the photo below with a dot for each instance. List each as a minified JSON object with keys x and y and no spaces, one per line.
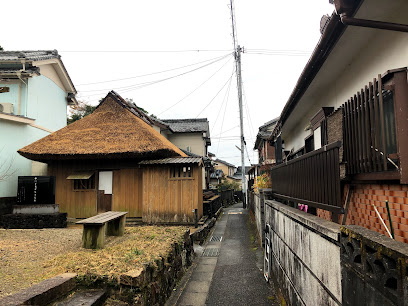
{"x":346,"y":8}
{"x":373,"y":24}
{"x":26,"y":84}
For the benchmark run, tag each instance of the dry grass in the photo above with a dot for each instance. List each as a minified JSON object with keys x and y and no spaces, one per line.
{"x":139,"y":245}
{"x":29,"y":256}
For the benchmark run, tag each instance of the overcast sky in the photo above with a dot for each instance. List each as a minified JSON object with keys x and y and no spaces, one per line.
{"x":174,"y":58}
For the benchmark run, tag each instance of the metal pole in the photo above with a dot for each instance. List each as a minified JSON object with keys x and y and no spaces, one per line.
{"x":241,"y":122}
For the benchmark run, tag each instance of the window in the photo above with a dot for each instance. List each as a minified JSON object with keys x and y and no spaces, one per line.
{"x":83,"y":180}
{"x":84,"y":184}
{"x":278,"y":150}
{"x":181,"y":172}
{"x":309,"y":144}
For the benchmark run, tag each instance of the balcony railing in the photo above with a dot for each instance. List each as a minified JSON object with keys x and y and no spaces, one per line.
{"x":312,"y":179}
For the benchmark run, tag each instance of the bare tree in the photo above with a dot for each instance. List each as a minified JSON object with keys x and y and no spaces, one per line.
{"x":6,"y":168}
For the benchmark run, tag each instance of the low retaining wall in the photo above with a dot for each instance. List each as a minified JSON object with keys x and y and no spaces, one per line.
{"x":201,"y":234}
{"x":6,"y":205}
{"x":318,"y":262}
{"x":26,"y":221}
{"x":154,"y":282}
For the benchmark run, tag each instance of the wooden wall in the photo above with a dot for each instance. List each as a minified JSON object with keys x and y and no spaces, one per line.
{"x":171,"y":200}
{"x":128,"y":191}
{"x":78,"y":204}
{"x":149,"y":193}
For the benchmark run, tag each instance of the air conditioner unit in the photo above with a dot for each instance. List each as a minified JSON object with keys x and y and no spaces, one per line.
{"x":6,"y":108}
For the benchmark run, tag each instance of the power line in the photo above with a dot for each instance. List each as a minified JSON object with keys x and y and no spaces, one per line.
{"x":153,"y":73}
{"x":195,"y":88}
{"x":225,"y":110}
{"x":229,"y":79}
{"x":277,"y":52}
{"x":225,"y":100}
{"x":143,"y":51}
{"x":226,"y":131}
{"x":153,"y":82}
{"x":141,"y":85}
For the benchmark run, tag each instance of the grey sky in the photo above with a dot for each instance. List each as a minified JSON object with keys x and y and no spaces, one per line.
{"x":282,"y":27}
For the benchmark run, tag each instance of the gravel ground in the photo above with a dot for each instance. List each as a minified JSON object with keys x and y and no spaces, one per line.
{"x":24,"y":252}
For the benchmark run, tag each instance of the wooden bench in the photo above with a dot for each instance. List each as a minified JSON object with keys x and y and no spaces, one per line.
{"x":111,"y":223}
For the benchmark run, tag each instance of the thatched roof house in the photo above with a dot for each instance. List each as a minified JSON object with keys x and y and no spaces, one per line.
{"x":116,"y":129}
{"x":101,"y":163}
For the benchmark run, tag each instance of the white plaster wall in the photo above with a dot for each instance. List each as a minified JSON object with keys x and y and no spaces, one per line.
{"x":193,"y":140}
{"x":304,"y":255}
{"x":48,"y":70}
{"x":385,"y":50}
{"x":39,"y":169}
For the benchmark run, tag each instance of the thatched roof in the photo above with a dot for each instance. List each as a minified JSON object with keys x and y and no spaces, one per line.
{"x":113,"y":130}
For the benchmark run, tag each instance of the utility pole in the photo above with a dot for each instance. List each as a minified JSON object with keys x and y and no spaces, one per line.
{"x":237,"y":53}
{"x":241,"y":120}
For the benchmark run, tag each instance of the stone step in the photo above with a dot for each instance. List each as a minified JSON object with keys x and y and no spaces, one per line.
{"x":131,"y":221}
{"x":84,"y":297}
{"x":42,"y":293}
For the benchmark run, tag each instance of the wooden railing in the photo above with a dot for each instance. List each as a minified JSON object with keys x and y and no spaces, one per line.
{"x":312,"y":179}
{"x":370,"y":143}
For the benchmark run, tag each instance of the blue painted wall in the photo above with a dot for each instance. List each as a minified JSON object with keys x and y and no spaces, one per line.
{"x":43,"y":101}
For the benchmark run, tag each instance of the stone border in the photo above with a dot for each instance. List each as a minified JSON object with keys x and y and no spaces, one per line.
{"x":44,"y":292}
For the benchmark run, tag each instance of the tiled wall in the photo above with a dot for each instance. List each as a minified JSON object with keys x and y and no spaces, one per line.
{"x":361,"y":212}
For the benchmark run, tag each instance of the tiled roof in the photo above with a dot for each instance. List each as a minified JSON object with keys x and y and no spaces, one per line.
{"x":269,"y":123}
{"x":224,"y":162}
{"x":173,"y":160}
{"x":28,"y":55}
{"x":188,"y":125}
{"x":263,"y":133}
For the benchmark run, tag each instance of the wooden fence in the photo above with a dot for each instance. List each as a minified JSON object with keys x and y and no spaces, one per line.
{"x":312,"y":179}
{"x":369,"y":130}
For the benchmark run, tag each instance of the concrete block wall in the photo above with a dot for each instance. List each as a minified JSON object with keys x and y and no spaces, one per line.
{"x":258,"y":218}
{"x":305,"y":256}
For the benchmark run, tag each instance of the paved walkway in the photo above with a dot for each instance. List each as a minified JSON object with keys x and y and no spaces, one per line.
{"x":229,"y":268}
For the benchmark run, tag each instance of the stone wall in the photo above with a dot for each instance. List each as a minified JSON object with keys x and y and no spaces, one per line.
{"x":6,"y":205}
{"x":55,"y":220}
{"x":154,"y":283}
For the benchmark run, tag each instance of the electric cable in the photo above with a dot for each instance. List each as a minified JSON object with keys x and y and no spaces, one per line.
{"x":135,"y":86}
{"x":229,"y":79}
{"x":225,"y":100}
{"x":153,"y":73}
{"x":199,"y":86}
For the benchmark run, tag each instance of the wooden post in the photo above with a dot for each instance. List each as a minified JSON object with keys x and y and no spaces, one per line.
{"x":401,"y":121}
{"x":116,"y":227}
{"x":93,"y":236}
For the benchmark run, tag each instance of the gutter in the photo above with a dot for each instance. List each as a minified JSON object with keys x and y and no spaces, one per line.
{"x":328,"y":40}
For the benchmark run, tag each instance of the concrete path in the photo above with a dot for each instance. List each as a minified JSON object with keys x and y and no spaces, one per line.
{"x":229,"y":268}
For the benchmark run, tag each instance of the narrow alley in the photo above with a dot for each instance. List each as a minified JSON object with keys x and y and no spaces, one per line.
{"x":229,"y":267}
